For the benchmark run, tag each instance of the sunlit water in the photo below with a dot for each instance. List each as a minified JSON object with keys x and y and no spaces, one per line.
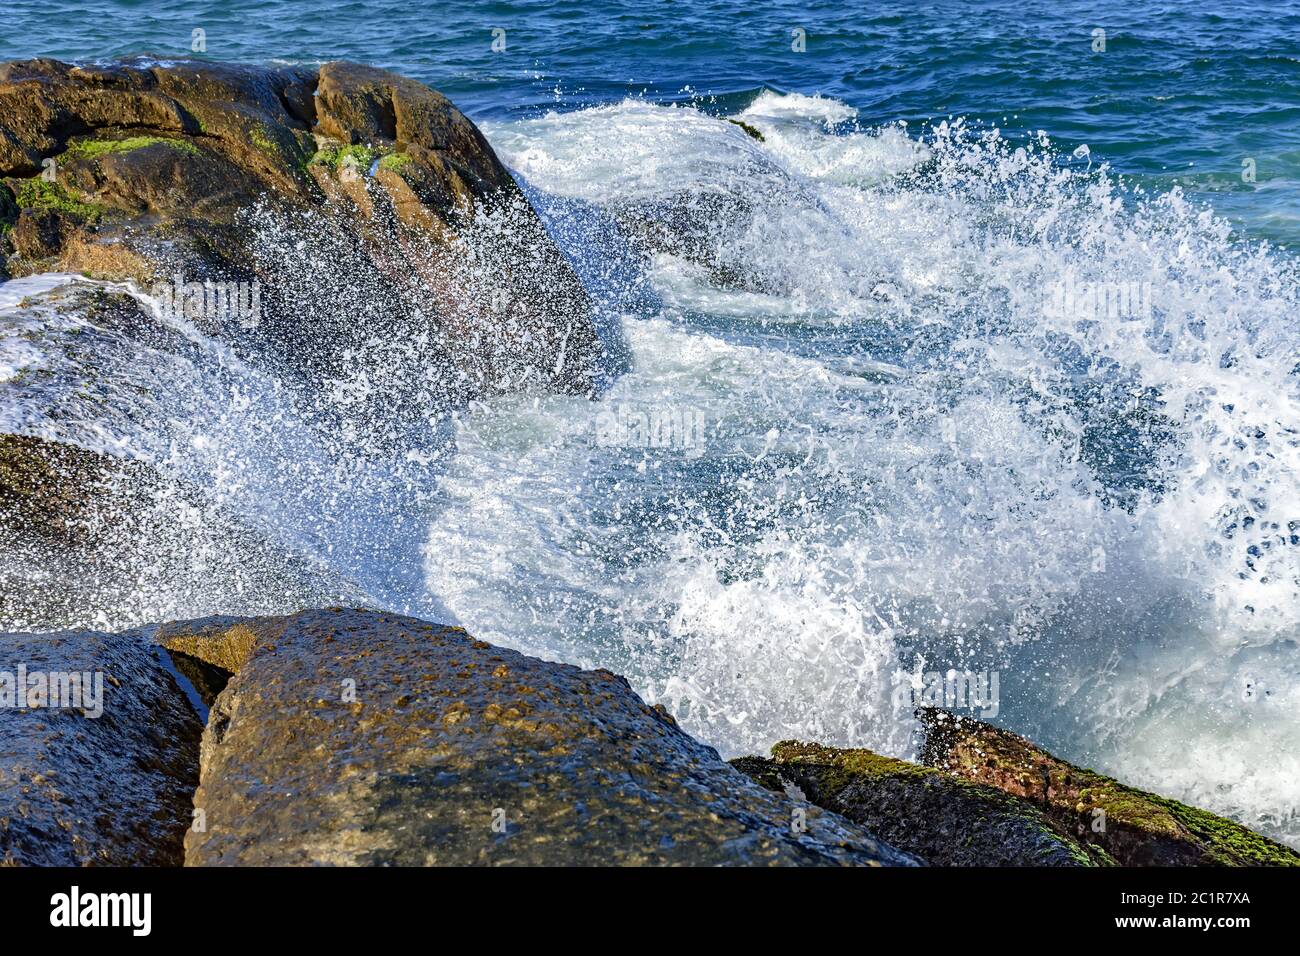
{"x":873,"y":424}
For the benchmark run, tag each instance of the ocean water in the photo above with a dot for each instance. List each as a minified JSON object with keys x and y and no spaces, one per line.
{"x":984,"y":358}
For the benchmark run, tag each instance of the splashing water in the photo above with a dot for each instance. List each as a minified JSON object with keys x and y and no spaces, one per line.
{"x":932,"y":438}
{"x":898,"y":401}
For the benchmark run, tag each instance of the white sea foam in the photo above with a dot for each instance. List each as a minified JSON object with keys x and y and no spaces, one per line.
{"x":910,"y":458}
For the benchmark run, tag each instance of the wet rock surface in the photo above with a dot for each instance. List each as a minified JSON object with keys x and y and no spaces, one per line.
{"x":94,"y":529}
{"x":1133,"y":827}
{"x":112,"y":790}
{"x":940,"y":819}
{"x":361,"y":201}
{"x":354,"y":737}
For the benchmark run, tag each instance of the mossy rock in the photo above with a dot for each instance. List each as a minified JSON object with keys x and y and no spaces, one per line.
{"x":94,"y":148}
{"x":935,"y":817}
{"x":395,"y":161}
{"x":39,"y":194}
{"x":360,"y":158}
{"x":1135,"y":827}
{"x":187,"y":168}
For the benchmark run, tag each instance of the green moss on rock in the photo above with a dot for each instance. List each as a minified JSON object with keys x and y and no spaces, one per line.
{"x":95,"y":148}
{"x":395,"y":162}
{"x":933,"y":815}
{"x":1133,"y":826}
{"x":259,"y":138}
{"x":36,"y":193}
{"x":361,"y":158}
{"x":325,"y":156}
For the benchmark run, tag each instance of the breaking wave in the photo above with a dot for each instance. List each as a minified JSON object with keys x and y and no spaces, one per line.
{"x":898,"y":401}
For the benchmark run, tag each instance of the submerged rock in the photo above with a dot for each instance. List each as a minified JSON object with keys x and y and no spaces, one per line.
{"x":1132,"y":826}
{"x":79,"y":788}
{"x":355,"y":737}
{"x":363,"y":203}
{"x":938,"y":818}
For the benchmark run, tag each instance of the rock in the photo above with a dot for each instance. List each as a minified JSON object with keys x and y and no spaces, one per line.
{"x":1132,"y":826}
{"x":85,"y":532}
{"x":702,"y":228}
{"x":937,"y":818}
{"x":355,"y":737}
{"x":364,"y":203}
{"x":112,"y":790}
{"x":361,"y":104}
{"x":50,"y":490}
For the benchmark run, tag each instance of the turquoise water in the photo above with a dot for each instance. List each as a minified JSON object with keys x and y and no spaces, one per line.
{"x":901,"y":443}
{"x":1184,"y":92}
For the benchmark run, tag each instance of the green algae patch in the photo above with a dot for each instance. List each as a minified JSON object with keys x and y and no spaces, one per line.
{"x":750,"y":131}
{"x":844,"y":766}
{"x":325,"y":156}
{"x":395,"y":162}
{"x":95,"y":148}
{"x":37,"y":193}
{"x":259,"y":138}
{"x":361,"y":158}
{"x":1133,"y":826}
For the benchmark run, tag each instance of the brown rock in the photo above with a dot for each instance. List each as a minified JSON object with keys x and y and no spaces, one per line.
{"x":355,"y":737}
{"x":78,"y":789}
{"x":217,"y":171}
{"x":1132,"y":826}
{"x":938,"y":818}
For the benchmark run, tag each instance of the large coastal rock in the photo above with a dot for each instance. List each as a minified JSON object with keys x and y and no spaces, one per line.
{"x":1133,"y":827}
{"x":365,"y":204}
{"x":354,"y":737}
{"x":938,"y":818}
{"x":106,"y":782}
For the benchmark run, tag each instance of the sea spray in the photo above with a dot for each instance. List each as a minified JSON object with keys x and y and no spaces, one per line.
{"x":912,"y":453}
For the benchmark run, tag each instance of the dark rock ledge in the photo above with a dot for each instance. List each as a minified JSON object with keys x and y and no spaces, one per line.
{"x":1133,"y":827}
{"x":108,"y":791}
{"x":987,"y":797}
{"x":356,"y":737}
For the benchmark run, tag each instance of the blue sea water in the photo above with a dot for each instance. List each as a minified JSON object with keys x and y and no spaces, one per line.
{"x":901,"y":457}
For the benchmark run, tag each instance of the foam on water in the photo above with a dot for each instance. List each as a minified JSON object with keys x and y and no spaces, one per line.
{"x":912,"y":460}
